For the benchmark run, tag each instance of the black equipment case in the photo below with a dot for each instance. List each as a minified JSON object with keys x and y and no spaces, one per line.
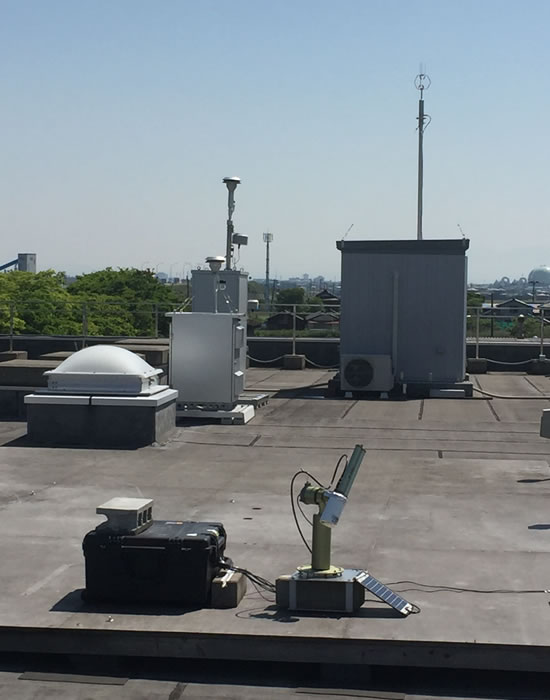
{"x":169,"y":562}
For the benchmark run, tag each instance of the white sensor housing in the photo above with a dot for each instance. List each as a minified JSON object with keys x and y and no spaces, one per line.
{"x":129,"y":515}
{"x":333,"y":509}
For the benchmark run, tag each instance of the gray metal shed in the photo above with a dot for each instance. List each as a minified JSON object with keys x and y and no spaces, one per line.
{"x":406,"y":300}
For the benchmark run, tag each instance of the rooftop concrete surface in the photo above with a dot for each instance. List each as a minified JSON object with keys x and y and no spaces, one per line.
{"x":452,"y":492}
{"x":186,"y":684}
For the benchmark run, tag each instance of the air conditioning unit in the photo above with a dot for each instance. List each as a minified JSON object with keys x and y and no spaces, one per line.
{"x":366,"y":373}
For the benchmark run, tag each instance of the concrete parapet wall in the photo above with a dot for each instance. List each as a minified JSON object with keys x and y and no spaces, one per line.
{"x":8,"y":355}
{"x":322,"y":351}
{"x":26,"y":372}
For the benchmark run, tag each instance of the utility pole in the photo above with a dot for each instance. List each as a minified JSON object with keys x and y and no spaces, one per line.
{"x":268,"y":238}
{"x":422,"y":82}
{"x":534,"y":284}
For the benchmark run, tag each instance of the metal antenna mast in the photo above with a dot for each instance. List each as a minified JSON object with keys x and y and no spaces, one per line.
{"x":268,"y":238}
{"x":422,"y":82}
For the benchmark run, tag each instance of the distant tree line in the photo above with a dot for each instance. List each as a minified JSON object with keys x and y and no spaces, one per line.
{"x":286,"y":298}
{"x":126,"y":301}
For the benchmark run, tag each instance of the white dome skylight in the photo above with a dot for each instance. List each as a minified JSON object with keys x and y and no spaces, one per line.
{"x":104,"y":369}
{"x":106,"y":359}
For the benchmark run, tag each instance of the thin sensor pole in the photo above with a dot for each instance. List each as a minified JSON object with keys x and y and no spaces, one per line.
{"x":422,"y":82}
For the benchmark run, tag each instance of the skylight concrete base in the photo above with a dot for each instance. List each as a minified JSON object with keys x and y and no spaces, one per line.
{"x":101,"y":421}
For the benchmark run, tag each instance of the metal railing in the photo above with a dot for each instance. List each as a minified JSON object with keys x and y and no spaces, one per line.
{"x":84,"y":320}
{"x":286,"y":322}
{"x":491,"y":323}
{"x":481,"y":323}
{"x":290,"y":323}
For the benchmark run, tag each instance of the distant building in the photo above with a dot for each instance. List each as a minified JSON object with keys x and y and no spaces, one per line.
{"x":510,"y":307}
{"x":329,"y":299}
{"x":323,"y":320}
{"x":540,"y":275}
{"x":26,"y":262}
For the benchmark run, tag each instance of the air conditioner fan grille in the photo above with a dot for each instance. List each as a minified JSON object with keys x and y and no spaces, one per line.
{"x":358,"y":373}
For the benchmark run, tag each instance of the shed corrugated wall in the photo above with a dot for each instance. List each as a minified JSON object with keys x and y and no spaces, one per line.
{"x":430,"y":339}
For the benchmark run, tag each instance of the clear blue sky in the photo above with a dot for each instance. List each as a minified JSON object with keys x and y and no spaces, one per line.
{"x":119,"y":119}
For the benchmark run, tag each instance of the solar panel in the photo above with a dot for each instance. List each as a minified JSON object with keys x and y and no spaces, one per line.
{"x":380,"y":590}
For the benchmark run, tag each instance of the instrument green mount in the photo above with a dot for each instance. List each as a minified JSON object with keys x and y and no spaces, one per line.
{"x":321,"y":566}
